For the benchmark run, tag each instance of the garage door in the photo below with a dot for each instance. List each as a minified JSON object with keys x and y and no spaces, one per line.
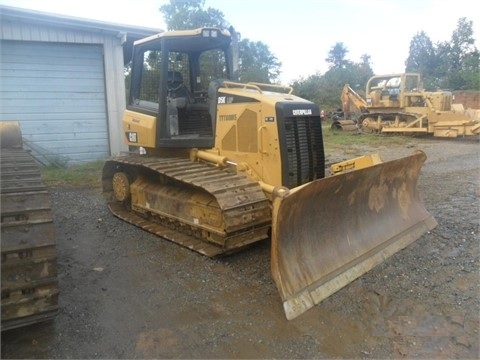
{"x":57,"y":93}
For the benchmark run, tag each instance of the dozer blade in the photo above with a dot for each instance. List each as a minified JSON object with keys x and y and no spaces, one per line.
{"x":329,"y":232}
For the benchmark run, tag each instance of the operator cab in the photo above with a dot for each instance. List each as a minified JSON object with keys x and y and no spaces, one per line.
{"x":394,"y":90}
{"x":173,"y":72}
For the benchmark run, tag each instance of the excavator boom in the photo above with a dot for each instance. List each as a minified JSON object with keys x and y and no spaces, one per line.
{"x":349,"y":98}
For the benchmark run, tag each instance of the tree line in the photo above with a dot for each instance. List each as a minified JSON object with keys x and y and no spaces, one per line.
{"x":447,"y":65}
{"x":452,"y":65}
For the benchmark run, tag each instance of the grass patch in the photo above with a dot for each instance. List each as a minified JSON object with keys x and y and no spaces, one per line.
{"x":334,"y":139}
{"x":82,"y":175}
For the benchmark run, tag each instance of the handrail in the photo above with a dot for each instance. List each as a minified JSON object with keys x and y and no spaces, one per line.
{"x":259,"y":86}
{"x":274,"y":86}
{"x":242,"y":85}
{"x":261,"y":139}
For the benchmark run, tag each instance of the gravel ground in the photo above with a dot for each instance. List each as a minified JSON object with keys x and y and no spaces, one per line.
{"x":125,"y":293}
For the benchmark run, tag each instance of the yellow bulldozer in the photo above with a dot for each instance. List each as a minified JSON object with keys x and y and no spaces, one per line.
{"x":216,"y":165}
{"x":397,"y":103}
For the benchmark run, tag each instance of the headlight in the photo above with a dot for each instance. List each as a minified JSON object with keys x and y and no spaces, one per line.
{"x":210,"y":33}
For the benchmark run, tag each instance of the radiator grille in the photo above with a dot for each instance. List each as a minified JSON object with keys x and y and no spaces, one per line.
{"x":303,"y":146}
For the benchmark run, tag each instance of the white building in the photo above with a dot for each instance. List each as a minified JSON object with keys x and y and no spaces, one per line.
{"x":62,"y":78}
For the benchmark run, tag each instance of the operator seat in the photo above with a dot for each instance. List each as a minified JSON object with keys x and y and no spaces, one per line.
{"x":178,"y":90}
{"x":174,"y":80}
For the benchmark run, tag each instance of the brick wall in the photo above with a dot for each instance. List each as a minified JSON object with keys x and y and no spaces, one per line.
{"x":469,"y":99}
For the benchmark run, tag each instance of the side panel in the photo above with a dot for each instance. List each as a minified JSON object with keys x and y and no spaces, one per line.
{"x":139,"y":129}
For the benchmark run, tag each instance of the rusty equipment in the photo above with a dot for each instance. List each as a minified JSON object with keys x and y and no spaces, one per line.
{"x":397,"y":103}
{"x":29,"y":269}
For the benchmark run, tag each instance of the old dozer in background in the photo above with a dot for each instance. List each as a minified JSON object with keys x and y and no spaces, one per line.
{"x":29,"y":258}
{"x":216,"y":165}
{"x":397,"y":103}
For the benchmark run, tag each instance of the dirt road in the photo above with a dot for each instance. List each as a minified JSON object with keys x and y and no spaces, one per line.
{"x":125,"y":293}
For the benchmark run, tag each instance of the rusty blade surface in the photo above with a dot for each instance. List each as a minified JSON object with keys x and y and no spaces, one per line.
{"x":331,"y":231}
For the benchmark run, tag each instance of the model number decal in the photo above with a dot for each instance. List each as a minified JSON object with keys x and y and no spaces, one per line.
{"x":225,"y":100}
{"x":230,"y":117}
{"x":302,"y":112}
{"x":132,"y":137}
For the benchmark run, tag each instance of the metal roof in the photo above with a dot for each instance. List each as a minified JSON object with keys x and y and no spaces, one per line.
{"x":131,"y":33}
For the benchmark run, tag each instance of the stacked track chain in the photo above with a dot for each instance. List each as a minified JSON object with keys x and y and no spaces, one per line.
{"x":29,"y":257}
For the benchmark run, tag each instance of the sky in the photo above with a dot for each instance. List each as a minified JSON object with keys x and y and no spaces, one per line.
{"x":300,"y":33}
